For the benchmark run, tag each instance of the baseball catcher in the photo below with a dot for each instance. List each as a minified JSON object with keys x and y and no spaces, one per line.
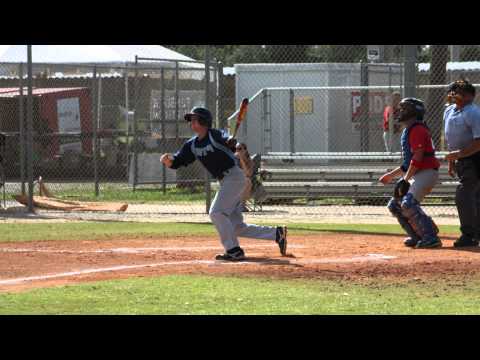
{"x":215,"y":150}
{"x":419,"y":174}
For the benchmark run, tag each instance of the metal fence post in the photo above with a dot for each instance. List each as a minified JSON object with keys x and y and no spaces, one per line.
{"x":177,"y":110}
{"x":98,"y":83}
{"x":163,"y":120}
{"x":220,"y":94}
{"x":455,"y":51}
{"x":410,"y":53}
{"x":263,"y":142}
{"x":364,"y":117}
{"x":390,"y":122}
{"x":94,"y":125}
{"x":127,"y":121}
{"x":214,"y":93}
{"x":21,"y":123}
{"x":292,"y":121}
{"x":135,"y":127}
{"x":30,"y":128}
{"x":208,"y":189}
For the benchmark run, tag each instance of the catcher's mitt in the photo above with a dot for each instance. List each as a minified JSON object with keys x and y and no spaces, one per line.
{"x":401,"y":189}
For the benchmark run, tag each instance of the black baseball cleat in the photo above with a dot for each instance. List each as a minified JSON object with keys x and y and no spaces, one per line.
{"x":410,"y":242}
{"x":281,"y":239}
{"x":465,"y":241}
{"x":235,"y":254}
{"x":429,"y":243}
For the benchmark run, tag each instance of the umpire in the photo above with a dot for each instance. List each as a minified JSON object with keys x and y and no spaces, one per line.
{"x":462,"y":135}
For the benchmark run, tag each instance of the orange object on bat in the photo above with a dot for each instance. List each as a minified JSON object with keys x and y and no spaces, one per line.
{"x":243,"y":110}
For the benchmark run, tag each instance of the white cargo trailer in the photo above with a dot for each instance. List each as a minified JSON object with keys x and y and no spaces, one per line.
{"x":313,"y":107}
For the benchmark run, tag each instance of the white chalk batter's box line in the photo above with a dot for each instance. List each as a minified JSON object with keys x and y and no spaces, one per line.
{"x":134,"y":250}
{"x":366,"y":258}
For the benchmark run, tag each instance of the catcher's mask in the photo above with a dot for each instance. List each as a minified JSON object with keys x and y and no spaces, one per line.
{"x":203,"y":114}
{"x":410,"y":108}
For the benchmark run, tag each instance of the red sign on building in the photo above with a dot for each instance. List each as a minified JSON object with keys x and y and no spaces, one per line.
{"x":377,"y":101}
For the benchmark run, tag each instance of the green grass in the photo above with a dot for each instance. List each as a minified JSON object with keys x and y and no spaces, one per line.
{"x":112,"y":192}
{"x":98,"y":230}
{"x":227,"y":295}
{"x":15,"y":232}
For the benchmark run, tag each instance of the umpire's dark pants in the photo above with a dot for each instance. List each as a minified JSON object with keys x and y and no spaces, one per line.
{"x":468,"y":197}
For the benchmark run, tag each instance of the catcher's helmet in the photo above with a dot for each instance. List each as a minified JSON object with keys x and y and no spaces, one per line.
{"x":411,"y":108}
{"x":203,"y":114}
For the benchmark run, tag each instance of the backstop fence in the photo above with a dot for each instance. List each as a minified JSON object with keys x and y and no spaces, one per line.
{"x":316,"y":124}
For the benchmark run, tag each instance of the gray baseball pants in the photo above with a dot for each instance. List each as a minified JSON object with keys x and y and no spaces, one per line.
{"x":226,"y":212}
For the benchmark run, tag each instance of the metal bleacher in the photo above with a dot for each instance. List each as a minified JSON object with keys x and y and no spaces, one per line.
{"x":313,"y":176}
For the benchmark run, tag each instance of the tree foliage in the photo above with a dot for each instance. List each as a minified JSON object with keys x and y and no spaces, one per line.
{"x":470,"y":53}
{"x":235,"y":54}
{"x":339,"y":53}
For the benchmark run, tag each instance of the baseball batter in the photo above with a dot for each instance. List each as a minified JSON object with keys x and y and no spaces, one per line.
{"x":213,"y":148}
{"x":419,"y":165}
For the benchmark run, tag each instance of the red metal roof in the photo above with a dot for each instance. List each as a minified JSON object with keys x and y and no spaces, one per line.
{"x":8,"y":90}
{"x":14,"y":92}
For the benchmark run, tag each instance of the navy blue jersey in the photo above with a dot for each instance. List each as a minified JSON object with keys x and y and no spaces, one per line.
{"x":211,"y":151}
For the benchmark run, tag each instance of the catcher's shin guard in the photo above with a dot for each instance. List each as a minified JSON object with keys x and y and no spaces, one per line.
{"x":396,"y":210}
{"x":421,"y":222}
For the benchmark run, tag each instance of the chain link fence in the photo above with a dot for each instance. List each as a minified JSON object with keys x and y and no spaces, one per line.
{"x":100,"y":129}
{"x":315,"y":121}
{"x":318,"y":122}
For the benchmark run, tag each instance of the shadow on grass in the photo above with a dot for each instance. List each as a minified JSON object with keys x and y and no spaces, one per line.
{"x":24,"y":216}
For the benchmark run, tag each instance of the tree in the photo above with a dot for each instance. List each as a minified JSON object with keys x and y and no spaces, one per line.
{"x":227,"y":54}
{"x":287,"y":53}
{"x":470,"y":53}
{"x":393,"y":53}
{"x":244,"y":54}
{"x":424,"y":54}
{"x":339,"y":53}
{"x":196,"y":52}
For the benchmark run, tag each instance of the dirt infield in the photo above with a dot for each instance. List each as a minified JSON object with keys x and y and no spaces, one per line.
{"x":352,"y":257}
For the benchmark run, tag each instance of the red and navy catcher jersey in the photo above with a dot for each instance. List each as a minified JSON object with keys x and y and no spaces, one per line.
{"x":417,"y":136}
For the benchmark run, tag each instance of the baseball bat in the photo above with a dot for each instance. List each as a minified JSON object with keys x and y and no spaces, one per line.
{"x":241,"y":116}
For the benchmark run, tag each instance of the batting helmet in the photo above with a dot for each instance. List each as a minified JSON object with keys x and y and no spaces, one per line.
{"x":204,"y":115}
{"x":411,"y":108}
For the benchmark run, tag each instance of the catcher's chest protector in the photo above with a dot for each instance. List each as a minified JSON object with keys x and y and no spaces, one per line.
{"x":406,"y":148}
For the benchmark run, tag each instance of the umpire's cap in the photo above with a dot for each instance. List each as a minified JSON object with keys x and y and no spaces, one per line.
{"x":204,"y":115}
{"x":462,"y":86}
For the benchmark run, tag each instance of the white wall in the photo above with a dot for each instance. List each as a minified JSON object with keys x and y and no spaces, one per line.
{"x":330,"y":127}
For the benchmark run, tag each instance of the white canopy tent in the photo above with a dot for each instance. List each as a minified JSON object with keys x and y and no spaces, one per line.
{"x":74,"y":54}
{"x":102,"y":55}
